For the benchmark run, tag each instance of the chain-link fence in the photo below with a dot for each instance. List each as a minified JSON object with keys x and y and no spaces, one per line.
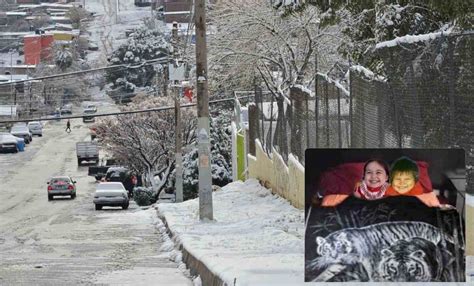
{"x":425,"y":101}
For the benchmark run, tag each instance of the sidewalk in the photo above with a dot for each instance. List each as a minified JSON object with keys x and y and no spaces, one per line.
{"x":257,"y":238}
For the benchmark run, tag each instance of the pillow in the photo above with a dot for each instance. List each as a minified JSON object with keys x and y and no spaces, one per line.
{"x":342,"y":178}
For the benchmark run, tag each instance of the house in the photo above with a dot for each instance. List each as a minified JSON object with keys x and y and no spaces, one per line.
{"x":8,"y":112}
{"x":8,"y":92}
{"x":9,"y":40}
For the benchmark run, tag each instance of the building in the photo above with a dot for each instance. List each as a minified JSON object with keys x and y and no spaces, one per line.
{"x":38,"y":48}
{"x":175,"y":10}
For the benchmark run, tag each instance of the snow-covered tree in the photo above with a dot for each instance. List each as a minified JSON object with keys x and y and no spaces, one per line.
{"x":145,"y":141}
{"x":252,"y":40}
{"x":142,"y":45}
{"x":221,"y":148}
{"x":367,"y":23}
{"x":63,"y":57}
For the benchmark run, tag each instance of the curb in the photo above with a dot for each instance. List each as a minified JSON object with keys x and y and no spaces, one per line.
{"x":196,"y":266}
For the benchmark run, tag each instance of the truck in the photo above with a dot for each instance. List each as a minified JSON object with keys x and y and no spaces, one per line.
{"x":87,"y":151}
{"x":101,"y":169}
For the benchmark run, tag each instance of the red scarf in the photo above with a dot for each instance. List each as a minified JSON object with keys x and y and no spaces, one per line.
{"x":368,"y":193}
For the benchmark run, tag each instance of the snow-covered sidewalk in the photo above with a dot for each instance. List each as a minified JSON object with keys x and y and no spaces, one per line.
{"x":257,"y":237}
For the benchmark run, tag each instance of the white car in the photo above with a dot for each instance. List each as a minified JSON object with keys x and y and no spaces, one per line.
{"x":90,"y":108}
{"x":36,"y":128}
{"x":22,"y":132}
{"x":111,"y":194}
{"x":8,"y":142}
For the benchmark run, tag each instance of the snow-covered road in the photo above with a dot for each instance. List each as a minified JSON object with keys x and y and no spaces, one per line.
{"x":66,"y":241}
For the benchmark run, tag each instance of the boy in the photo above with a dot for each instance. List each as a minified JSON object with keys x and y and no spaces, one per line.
{"x":404,"y":182}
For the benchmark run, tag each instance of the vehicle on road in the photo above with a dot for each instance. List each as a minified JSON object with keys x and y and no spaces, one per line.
{"x":123,"y":175}
{"x":9,"y":143}
{"x":66,"y":109}
{"x":111,"y":194}
{"x":61,"y":186}
{"x":36,"y":128}
{"x":87,"y":150}
{"x":22,"y":131}
{"x":89,"y":109}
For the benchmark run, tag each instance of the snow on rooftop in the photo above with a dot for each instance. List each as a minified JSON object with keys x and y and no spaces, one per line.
{"x":16,"y":13}
{"x":257,"y":238}
{"x":409,"y":39}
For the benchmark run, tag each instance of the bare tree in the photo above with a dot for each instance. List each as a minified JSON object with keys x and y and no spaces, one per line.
{"x":145,"y":141}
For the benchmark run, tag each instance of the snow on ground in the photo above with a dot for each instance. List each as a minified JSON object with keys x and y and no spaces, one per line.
{"x":256,"y":237}
{"x":470,"y":200}
{"x":108,"y":28}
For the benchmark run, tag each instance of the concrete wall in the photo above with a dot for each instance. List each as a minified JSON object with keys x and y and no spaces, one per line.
{"x":273,"y":173}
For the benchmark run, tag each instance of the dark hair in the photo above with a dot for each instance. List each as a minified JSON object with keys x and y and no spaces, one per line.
{"x":380,"y":162}
{"x":404,"y":165}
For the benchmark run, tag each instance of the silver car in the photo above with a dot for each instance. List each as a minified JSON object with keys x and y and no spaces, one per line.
{"x":22,"y":131}
{"x":111,"y":194}
{"x":61,"y":186}
{"x":36,"y":128}
{"x":8,"y":142}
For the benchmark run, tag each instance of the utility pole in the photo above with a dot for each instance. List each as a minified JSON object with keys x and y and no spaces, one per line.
{"x":11,"y":75}
{"x":177,"y":112}
{"x":203,"y":134}
{"x":116,"y":11}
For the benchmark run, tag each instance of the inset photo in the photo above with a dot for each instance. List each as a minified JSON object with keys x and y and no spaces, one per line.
{"x":385,"y":215}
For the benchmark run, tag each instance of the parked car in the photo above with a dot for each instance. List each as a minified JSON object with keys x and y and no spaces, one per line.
{"x":20,"y":142}
{"x":110,"y":194}
{"x":9,"y":143}
{"x":122,"y":175}
{"x":36,"y":128}
{"x":22,"y":131}
{"x":61,"y":186}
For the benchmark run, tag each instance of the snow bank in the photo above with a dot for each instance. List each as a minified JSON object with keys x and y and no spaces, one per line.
{"x":257,"y":238}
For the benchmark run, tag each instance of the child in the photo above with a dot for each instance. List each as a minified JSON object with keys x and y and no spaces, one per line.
{"x":372,"y":186}
{"x":404,"y":182}
{"x":374,"y":181}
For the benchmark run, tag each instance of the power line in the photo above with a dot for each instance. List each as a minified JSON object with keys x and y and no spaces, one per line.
{"x":148,"y":62}
{"x":121,"y":112}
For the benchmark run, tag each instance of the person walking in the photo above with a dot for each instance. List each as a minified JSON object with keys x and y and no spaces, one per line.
{"x":68,"y":126}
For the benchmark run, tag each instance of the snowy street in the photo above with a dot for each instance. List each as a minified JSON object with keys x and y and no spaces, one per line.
{"x":50,"y":242}
{"x":210,"y":143}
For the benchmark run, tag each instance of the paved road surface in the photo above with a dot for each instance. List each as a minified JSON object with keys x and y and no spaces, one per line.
{"x":66,"y":241}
